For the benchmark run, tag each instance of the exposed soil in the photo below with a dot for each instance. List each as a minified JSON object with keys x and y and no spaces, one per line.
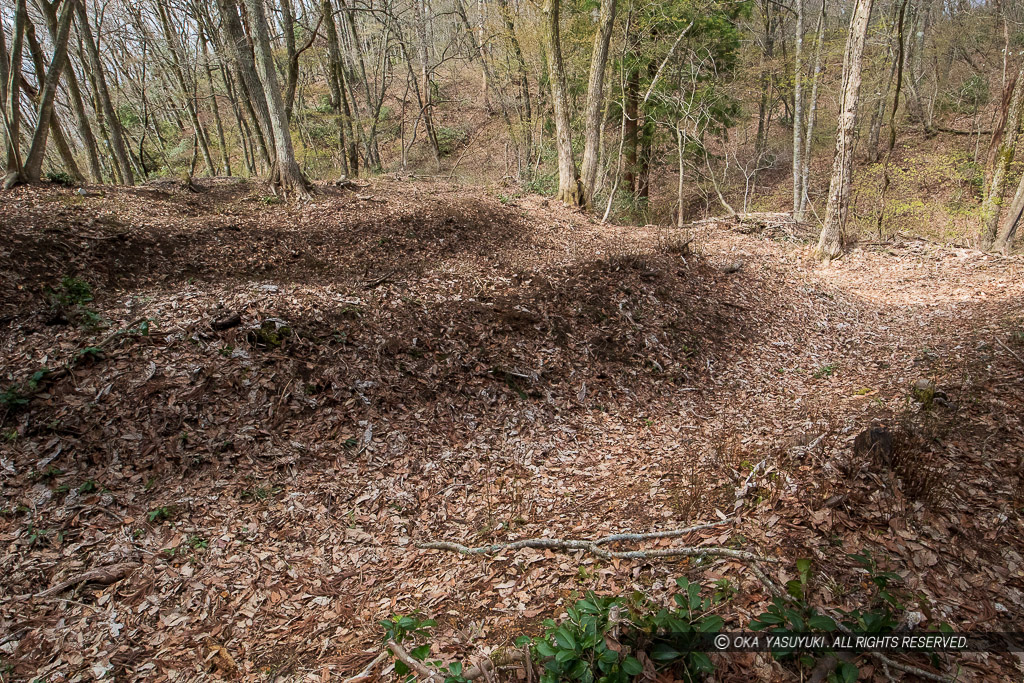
{"x":421,"y":362}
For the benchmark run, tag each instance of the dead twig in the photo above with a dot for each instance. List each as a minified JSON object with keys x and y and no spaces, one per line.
{"x":368,"y":669}
{"x":413,"y":664}
{"x":594,"y":546}
{"x":102,"y":575}
{"x":1012,"y":352}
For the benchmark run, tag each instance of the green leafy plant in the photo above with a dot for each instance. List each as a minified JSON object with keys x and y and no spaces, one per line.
{"x":825,"y":371}
{"x":88,"y":486}
{"x":407,"y":631}
{"x":60,"y":178}
{"x":160,"y":514}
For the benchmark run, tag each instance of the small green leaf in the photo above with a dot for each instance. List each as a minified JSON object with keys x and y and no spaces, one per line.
{"x":632,"y":666}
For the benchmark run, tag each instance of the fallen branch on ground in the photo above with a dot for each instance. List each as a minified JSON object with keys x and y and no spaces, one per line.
{"x":594,"y":546}
{"x":102,"y":575}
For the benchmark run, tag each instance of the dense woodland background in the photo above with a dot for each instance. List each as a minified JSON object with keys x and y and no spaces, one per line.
{"x":673,"y":110}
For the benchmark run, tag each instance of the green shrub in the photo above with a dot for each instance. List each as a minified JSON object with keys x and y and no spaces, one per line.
{"x":60,"y":178}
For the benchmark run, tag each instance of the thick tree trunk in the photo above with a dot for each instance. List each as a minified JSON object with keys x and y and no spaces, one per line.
{"x":595,"y":100}
{"x":831,"y":240}
{"x":288,"y":176}
{"x":569,"y":188}
{"x":1004,"y":240}
{"x":1001,"y":159}
{"x":251,"y":90}
{"x":33,"y":170}
{"x":103,"y":94}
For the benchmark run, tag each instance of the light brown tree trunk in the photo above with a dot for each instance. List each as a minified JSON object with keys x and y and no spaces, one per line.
{"x":1001,"y":160}
{"x":287,"y":176}
{"x":103,"y":95}
{"x":12,"y":107}
{"x":188,"y":88}
{"x":831,"y":241}
{"x":33,"y":170}
{"x":425,"y":85}
{"x":812,"y":111}
{"x":595,"y":100}
{"x":632,"y":126}
{"x":339,"y":100}
{"x":798,"y":106}
{"x":60,"y":140}
{"x":569,"y":187}
{"x":250,"y":88}
{"x":1004,"y":240}
{"x":49,"y":13}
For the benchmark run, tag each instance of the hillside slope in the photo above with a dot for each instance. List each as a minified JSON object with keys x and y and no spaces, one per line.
{"x":263,"y":407}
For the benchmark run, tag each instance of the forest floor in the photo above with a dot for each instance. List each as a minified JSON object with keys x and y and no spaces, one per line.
{"x":416,"y":361}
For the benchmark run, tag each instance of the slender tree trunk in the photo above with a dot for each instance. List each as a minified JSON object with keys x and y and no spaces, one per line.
{"x":33,"y":170}
{"x":1001,"y":160}
{"x":60,"y":140}
{"x":569,"y":187}
{"x":425,"y":85}
{"x":12,"y":111}
{"x":831,"y":240}
{"x":103,"y":94}
{"x":288,"y":175}
{"x":798,"y":106}
{"x":225,"y":158}
{"x":523,"y":78}
{"x":346,"y":140}
{"x":292,"y":63}
{"x":632,"y":114}
{"x":812,"y":111}
{"x":188,"y":89}
{"x":595,"y":99}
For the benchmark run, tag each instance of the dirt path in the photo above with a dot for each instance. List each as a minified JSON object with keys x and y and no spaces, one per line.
{"x":417,"y":362}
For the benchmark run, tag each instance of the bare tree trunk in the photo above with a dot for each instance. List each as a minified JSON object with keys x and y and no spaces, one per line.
{"x":251,"y":90}
{"x":292,"y":62}
{"x":569,"y":187}
{"x":681,"y":149}
{"x":595,"y":98}
{"x":812,"y":111}
{"x":632,"y":114}
{"x":188,"y":89}
{"x":71,"y":80}
{"x":225,"y":158}
{"x":33,"y":170}
{"x":288,"y":176}
{"x":103,"y":94}
{"x":523,"y":78}
{"x":831,"y":240}
{"x":798,"y":105}
{"x":1003,"y":157}
{"x":425,"y":85}
{"x":12,"y":108}
{"x":60,"y":140}
{"x":339,"y":100}
{"x":1004,"y":240}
